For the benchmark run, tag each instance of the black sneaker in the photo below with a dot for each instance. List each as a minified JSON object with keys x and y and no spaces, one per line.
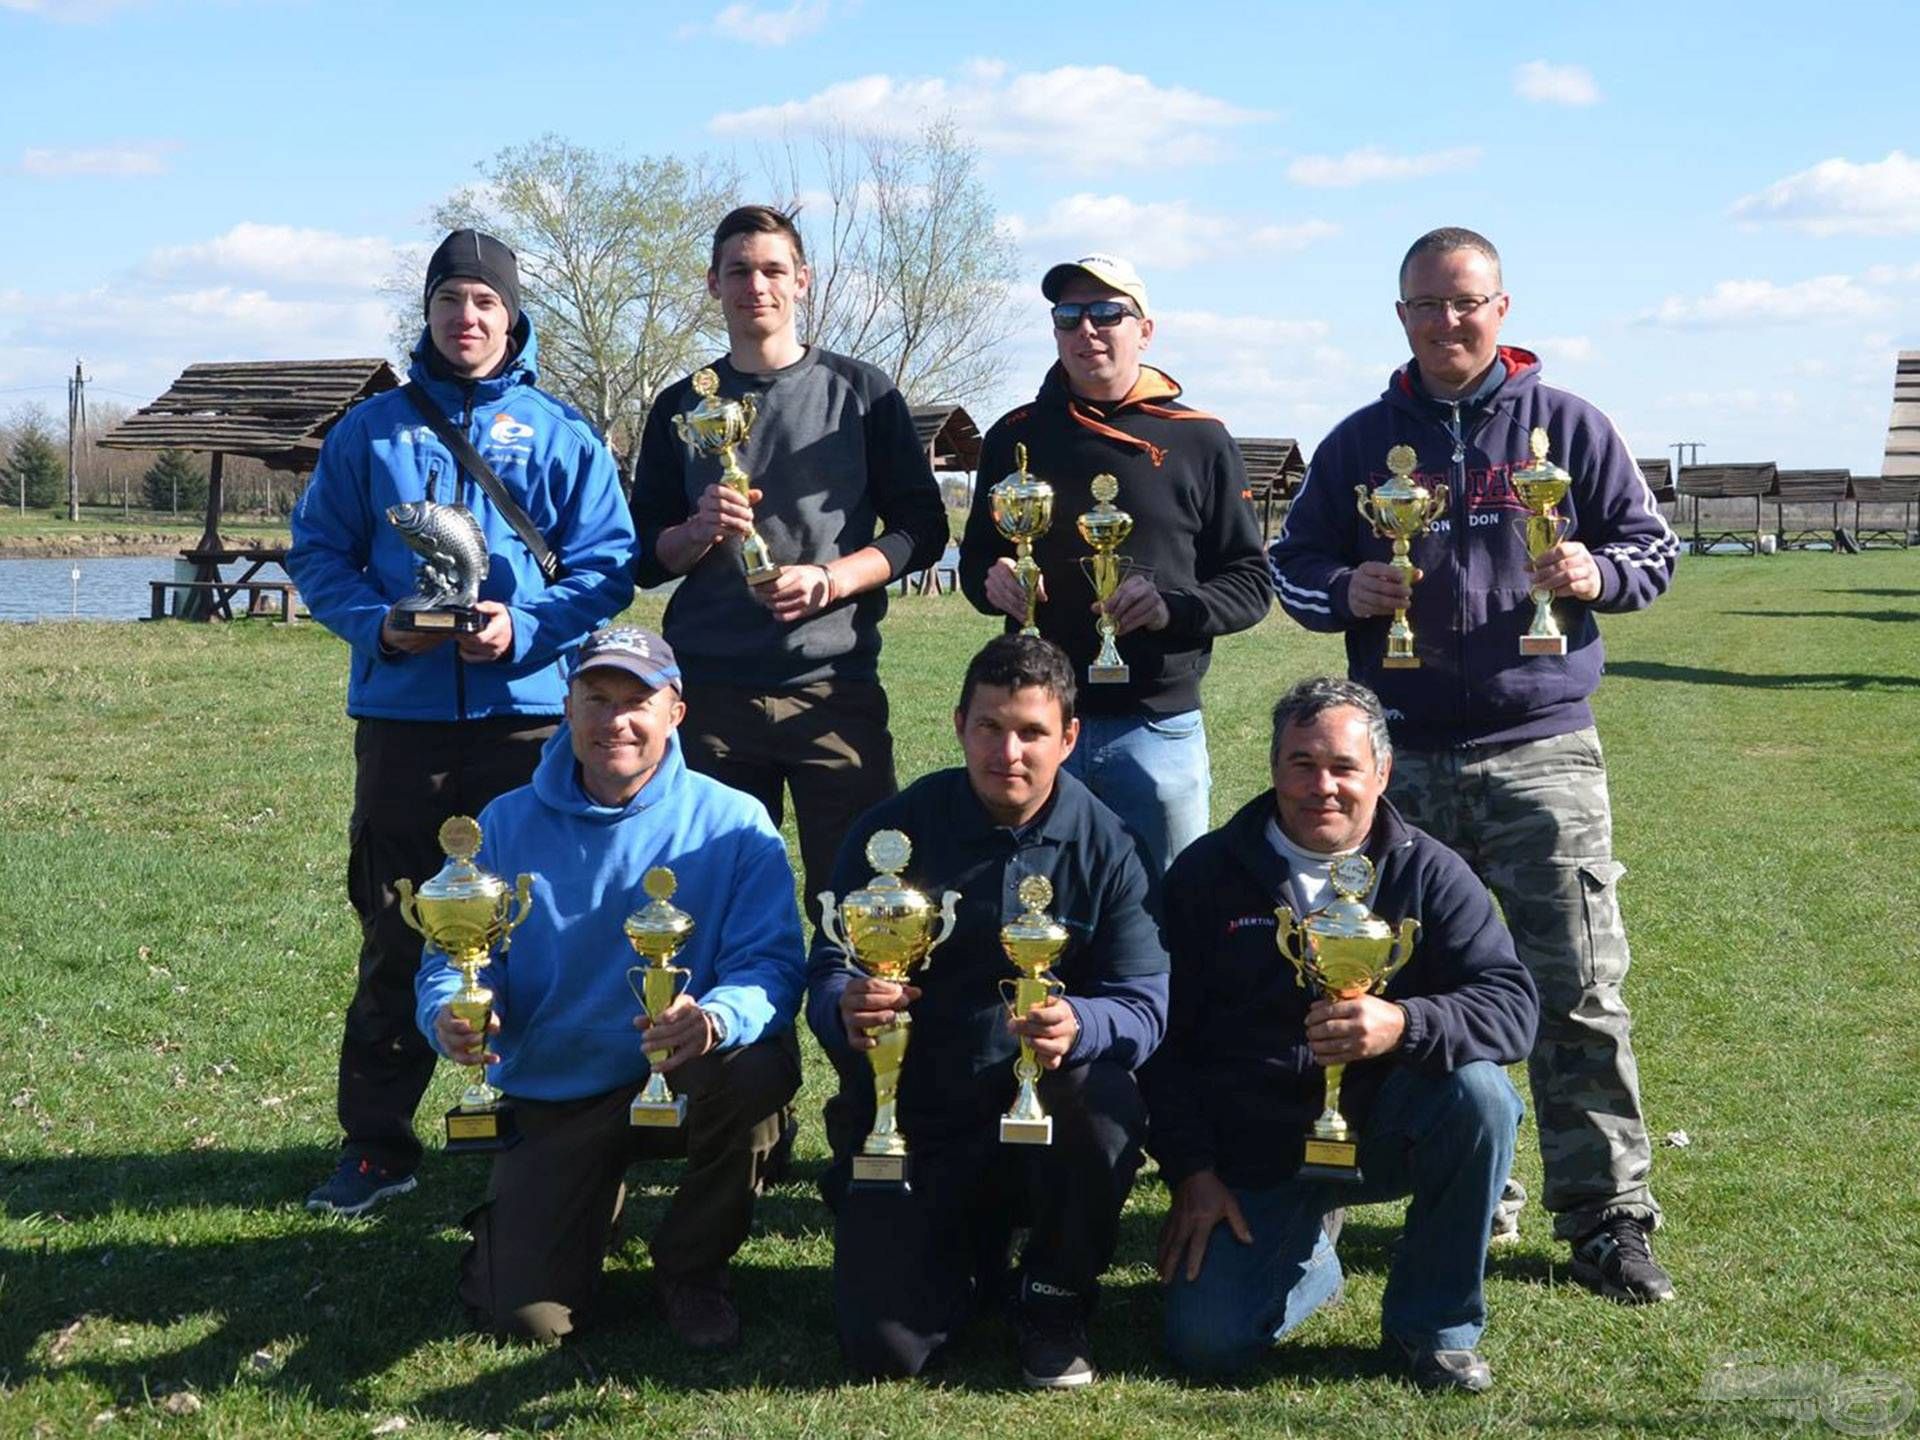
{"x":1617,"y":1261}
{"x":1050,"y":1329}
{"x":1440,"y":1370}
{"x":356,"y":1187}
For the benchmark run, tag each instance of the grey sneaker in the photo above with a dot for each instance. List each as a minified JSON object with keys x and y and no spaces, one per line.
{"x":1616,"y":1261}
{"x":1506,"y":1213}
{"x":1050,"y":1330}
{"x":1440,"y":1370}
{"x":356,"y":1186}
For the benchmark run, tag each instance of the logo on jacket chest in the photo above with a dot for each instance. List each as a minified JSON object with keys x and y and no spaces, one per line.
{"x":1251,"y":922}
{"x":1487,"y":489}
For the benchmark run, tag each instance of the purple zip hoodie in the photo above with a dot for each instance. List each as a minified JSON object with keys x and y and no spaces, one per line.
{"x":1470,"y":606}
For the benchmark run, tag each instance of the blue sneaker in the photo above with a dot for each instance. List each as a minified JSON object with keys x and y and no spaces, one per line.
{"x":356,"y":1187}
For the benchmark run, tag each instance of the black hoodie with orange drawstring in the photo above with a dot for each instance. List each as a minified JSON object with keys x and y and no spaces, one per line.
{"x":1184,"y":483}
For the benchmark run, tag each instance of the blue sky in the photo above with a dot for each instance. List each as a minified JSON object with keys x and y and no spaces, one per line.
{"x":1708,"y":212}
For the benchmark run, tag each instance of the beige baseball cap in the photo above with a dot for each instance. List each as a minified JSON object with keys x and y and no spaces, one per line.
{"x":1108,"y":270}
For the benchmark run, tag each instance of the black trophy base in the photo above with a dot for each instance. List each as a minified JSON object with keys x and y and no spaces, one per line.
{"x":447,"y":620}
{"x":1331,"y":1160}
{"x":881,"y":1175}
{"x":482,"y":1132}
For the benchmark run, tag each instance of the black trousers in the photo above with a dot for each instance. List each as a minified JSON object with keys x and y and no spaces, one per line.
{"x":908,"y":1270}
{"x":409,"y":776}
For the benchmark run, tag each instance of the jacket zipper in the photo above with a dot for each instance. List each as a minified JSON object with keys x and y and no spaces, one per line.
{"x":464,"y":492}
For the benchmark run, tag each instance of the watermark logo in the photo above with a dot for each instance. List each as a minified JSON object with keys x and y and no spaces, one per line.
{"x":1859,"y":1402}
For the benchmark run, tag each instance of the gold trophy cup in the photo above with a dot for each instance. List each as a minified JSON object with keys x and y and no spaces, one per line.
{"x":715,"y":428}
{"x":1398,"y":511}
{"x":1032,"y":942}
{"x":886,"y":928}
{"x":1022,"y":510}
{"x":656,"y":931}
{"x":464,"y":912}
{"x":1343,"y":951}
{"x":1541,"y":487}
{"x":1105,"y":528}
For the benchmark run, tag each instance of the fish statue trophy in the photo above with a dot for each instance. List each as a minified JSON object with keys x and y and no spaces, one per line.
{"x":1341,"y":952}
{"x":1399,"y":510}
{"x":1022,"y":510}
{"x":887,"y":929}
{"x":656,"y":931}
{"x":1541,"y":487}
{"x":466,"y":913}
{"x":715,"y":428}
{"x":453,"y":562}
{"x":1105,"y":528}
{"x":1033,"y":941}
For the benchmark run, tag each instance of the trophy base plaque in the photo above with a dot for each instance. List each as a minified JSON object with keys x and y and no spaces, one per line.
{"x":452,"y":620}
{"x":669,"y":1115}
{"x":881,"y":1173}
{"x":1331,"y":1160}
{"x":1026,"y":1132}
{"x":1543,"y":644}
{"x":1109,"y":674}
{"x":765,"y":575}
{"x":481,"y":1132}
{"x":1400,"y":662}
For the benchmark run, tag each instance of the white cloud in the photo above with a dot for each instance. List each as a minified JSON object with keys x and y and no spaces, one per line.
{"x":1838,"y":197}
{"x":1167,"y":235}
{"x":1263,"y":374}
{"x":1744,"y":303}
{"x":143,"y":157}
{"x":286,"y":253}
{"x":1548,"y":84}
{"x":766,"y":25}
{"x":1569,"y":349}
{"x":1370,"y":164}
{"x":71,"y":11}
{"x":1092,"y":117}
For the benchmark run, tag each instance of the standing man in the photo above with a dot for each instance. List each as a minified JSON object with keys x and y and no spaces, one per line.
{"x":782,"y":679}
{"x":1100,"y":410}
{"x":445,"y":724}
{"x":910,"y":1269}
{"x":1496,"y":751}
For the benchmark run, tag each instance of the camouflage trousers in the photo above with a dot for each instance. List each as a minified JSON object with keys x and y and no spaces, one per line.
{"x":1533,"y":820}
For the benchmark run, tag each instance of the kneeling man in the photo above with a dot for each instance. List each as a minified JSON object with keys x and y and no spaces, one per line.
{"x":612,"y":798}
{"x":1247,"y":1250}
{"x":910,"y":1266}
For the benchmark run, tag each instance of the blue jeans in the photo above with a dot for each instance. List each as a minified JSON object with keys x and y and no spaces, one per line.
{"x":1445,"y":1140}
{"x":1153,"y":772}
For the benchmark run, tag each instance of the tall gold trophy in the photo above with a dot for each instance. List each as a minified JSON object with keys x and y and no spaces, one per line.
{"x":887,"y":928}
{"x":656,"y":931}
{"x":1343,"y":951}
{"x":1398,"y":511}
{"x":1022,"y":510}
{"x":464,"y":912}
{"x":1105,"y":528}
{"x":715,"y":427}
{"x":1541,"y":487}
{"x":1032,"y":942}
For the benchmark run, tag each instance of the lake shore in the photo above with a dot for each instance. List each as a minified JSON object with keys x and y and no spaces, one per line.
{"x":112,"y":544}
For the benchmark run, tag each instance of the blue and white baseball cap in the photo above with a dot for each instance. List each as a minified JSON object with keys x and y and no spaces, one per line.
{"x":640,"y":653}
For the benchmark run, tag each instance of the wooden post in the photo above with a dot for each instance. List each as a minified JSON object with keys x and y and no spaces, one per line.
{"x":210,"y":538}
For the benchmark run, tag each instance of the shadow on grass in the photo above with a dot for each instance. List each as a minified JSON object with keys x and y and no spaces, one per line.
{"x":1696,"y":675}
{"x":1883,"y":617}
{"x":1880,"y":594}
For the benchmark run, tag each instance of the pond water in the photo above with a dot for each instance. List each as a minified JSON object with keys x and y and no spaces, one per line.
{"x":105,"y":588}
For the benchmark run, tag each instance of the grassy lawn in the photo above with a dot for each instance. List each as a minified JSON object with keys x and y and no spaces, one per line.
{"x":176,"y":951}
{"x":110,"y":521}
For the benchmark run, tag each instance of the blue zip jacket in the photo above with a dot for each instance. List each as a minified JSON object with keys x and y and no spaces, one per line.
{"x":1234,"y":1086}
{"x":351,"y":565}
{"x":1471,"y":607}
{"x":566,"y":1010}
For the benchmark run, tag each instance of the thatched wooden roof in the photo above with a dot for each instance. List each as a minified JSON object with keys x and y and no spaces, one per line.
{"x":1744,"y":481}
{"x":1903,"y":429}
{"x":1659,"y":477}
{"x":1273,"y":463}
{"x":951,"y":438}
{"x":1798,"y":487}
{"x":277,"y":411}
{"x":1884,"y":489}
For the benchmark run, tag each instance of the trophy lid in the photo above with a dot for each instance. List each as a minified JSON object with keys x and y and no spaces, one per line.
{"x":888,"y":851}
{"x":1033,"y":923}
{"x":706,"y":382}
{"x":1346,"y":917}
{"x":460,"y":878}
{"x":1022,"y":483}
{"x":659,"y":920}
{"x":1542,"y":483}
{"x":1402,"y":486}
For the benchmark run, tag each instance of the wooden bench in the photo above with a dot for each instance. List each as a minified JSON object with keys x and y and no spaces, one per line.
{"x":263,"y":596}
{"x":934,"y":580}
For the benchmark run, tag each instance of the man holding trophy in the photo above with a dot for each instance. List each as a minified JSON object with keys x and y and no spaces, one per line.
{"x":1549,"y":522}
{"x":1151,"y":550}
{"x":785,"y":487}
{"x":513,"y":499}
{"x":1044,"y":880}
{"x":613,"y":827}
{"x":1425,"y":1109}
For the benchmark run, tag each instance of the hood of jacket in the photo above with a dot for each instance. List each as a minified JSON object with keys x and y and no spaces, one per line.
{"x":456,"y":394}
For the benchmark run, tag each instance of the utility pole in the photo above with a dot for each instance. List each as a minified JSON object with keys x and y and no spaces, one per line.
{"x":1693,"y":458}
{"x":76,"y":388}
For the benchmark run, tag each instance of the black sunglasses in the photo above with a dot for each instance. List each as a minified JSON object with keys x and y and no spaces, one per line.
{"x":1105,"y":314}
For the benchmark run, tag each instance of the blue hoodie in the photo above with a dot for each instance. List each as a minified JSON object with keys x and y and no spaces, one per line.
{"x":566,"y":1011}
{"x":351,"y":565}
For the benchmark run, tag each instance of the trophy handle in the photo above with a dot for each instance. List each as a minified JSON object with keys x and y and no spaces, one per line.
{"x":1362,"y":497}
{"x":949,"y":917}
{"x":1287,"y":938}
{"x":636,"y":985}
{"x":830,"y":926}
{"x":1401,"y":953}
{"x":509,"y":922}
{"x":408,"y":906}
{"x":1437,"y":501}
{"x":748,"y":410}
{"x":682,"y":980}
{"x":1010,"y":993}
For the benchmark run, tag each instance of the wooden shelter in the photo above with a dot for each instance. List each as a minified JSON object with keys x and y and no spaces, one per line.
{"x":1885,"y":491}
{"x":1805,"y":488}
{"x":1748,"y":481}
{"x":276,"y":411}
{"x":1275,"y":468}
{"x":951,"y":438}
{"x":1659,"y":477}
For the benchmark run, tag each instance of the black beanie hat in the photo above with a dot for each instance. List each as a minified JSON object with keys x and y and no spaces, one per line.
{"x":476,"y":255}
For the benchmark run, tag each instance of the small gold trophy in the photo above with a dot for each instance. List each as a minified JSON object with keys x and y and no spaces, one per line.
{"x":1023,"y":509}
{"x":1342,"y":951}
{"x":1032,"y":942}
{"x":1541,"y":487}
{"x":656,"y":931}
{"x":714,"y":428}
{"x":464,"y":912}
{"x":886,"y":928}
{"x":1398,"y":511}
{"x":1105,"y":528}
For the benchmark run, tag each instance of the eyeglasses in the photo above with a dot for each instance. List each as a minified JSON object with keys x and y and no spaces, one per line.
{"x":1105,"y":314}
{"x":1430,"y":307}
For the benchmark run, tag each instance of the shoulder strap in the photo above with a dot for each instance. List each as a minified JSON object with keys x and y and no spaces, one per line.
{"x":470,"y":461}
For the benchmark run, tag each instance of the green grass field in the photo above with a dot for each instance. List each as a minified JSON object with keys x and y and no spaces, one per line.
{"x":176,"y":950}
